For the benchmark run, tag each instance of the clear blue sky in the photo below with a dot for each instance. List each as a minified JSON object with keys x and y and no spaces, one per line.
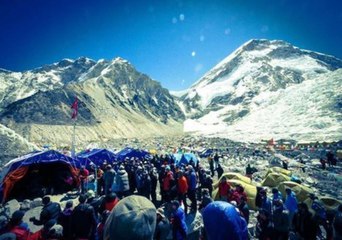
{"x":173,"y":41}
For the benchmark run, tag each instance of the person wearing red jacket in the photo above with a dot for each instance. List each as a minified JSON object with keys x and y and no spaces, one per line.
{"x":224,"y":189}
{"x":238,"y":193}
{"x":182,"y":188}
{"x":167,"y":183}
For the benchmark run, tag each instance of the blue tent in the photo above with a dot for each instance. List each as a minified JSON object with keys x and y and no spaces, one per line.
{"x":132,"y":153}
{"x":184,"y":158}
{"x":96,"y":156}
{"x":16,"y":169}
{"x":206,"y":153}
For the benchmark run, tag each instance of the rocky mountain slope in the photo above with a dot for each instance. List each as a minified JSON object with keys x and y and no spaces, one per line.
{"x":115,"y":100}
{"x":257,"y":92}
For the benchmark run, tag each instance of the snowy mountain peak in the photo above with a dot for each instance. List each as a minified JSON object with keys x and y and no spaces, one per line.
{"x":233,"y":89}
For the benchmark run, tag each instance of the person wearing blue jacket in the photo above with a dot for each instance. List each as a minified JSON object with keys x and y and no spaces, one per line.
{"x":291,"y":204}
{"x":276,"y":195}
{"x":192,"y":183}
{"x":179,"y":227}
{"x":222,"y":221}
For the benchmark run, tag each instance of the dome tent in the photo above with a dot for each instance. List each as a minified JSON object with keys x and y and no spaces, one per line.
{"x":273,"y":179}
{"x":184,"y":158}
{"x":132,"y":153}
{"x":96,"y":156}
{"x":46,"y":168}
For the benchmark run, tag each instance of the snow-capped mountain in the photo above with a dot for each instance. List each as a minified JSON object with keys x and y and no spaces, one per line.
{"x":115,"y":100}
{"x":253,"y":94}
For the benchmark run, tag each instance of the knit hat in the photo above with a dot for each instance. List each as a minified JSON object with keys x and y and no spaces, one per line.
{"x":134,"y":217}
{"x":17,"y":216}
{"x":160,"y":211}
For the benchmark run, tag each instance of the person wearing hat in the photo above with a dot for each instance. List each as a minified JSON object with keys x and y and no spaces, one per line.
{"x":50,"y":210}
{"x":18,"y":227}
{"x":134,"y":217}
{"x":192,"y":183}
{"x":109,"y":202}
{"x":163,"y":226}
{"x":167,"y":183}
{"x":83,"y":220}
{"x":108,"y":177}
{"x":122,"y":182}
{"x":206,"y":199}
{"x":44,"y":232}
{"x":179,"y":227}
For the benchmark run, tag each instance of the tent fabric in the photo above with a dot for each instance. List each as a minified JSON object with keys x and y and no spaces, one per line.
{"x":222,"y":221}
{"x":250,"y":190}
{"x":279,"y":170}
{"x":11,"y":179}
{"x":232,"y":175}
{"x":274,"y":179}
{"x":184,"y":158}
{"x":96,"y":156}
{"x":302,"y":192}
{"x":330,"y":203}
{"x":132,"y":153}
{"x":17,"y":168}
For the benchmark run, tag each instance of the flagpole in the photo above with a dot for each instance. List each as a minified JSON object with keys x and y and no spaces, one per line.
{"x":73,"y":141}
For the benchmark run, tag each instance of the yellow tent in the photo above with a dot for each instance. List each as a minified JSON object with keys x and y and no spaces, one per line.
{"x":236,"y":176}
{"x":273,"y":179}
{"x":330,"y":203}
{"x":279,"y":170}
{"x":302,"y":192}
{"x":250,"y":190}
{"x":153,"y":151}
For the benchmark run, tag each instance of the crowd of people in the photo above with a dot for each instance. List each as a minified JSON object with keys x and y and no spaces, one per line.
{"x":121,"y":201}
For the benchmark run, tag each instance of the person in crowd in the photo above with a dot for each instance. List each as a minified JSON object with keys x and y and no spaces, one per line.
{"x":219,"y":171}
{"x":182,"y":189}
{"x":304,"y":223}
{"x":281,"y":221}
{"x":50,"y":210}
{"x":337,"y":224}
{"x":264,"y":229}
{"x":18,"y":227}
{"x":222,"y":221}
{"x":154,"y":181}
{"x":134,"y":217}
{"x":179,"y":227}
{"x":47,"y":232}
{"x":192,"y":183}
{"x":216,"y":160}
{"x":211,"y":166}
{"x":224,"y":188}
{"x":276,"y":195}
{"x":167,"y":183}
{"x":109,"y":202}
{"x":83,"y":176}
{"x":108,"y":178}
{"x":285,"y":164}
{"x":139,"y":180}
{"x":207,"y":182}
{"x":243,"y":208}
{"x":122,"y":182}
{"x":291,"y":204}
{"x":266,"y":203}
{"x":100,"y":227}
{"x":238,"y":193}
{"x":64,"y":219}
{"x":163,"y":226}
{"x":250,"y":171}
{"x":100,"y":181}
{"x":323,"y":163}
{"x":146,"y":185}
{"x":206,"y":199}
{"x":84,"y":220}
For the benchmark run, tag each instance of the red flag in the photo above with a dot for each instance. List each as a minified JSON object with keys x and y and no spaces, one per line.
{"x":74,"y":106}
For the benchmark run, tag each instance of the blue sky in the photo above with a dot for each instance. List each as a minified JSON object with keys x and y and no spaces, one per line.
{"x":173,"y":41}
